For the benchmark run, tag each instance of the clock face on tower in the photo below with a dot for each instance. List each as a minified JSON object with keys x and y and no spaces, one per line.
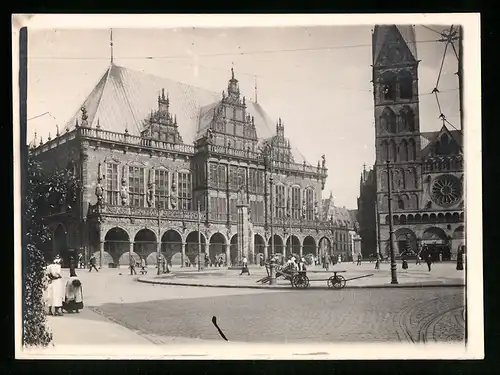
{"x":446,"y":190}
{"x":395,"y":54}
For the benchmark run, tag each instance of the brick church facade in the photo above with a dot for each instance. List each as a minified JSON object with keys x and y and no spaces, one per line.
{"x":163,"y":163}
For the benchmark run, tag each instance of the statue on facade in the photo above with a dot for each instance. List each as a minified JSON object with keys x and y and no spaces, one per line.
{"x":356,"y":227}
{"x":316,"y":211}
{"x":323,"y":161}
{"x":150,"y":195}
{"x":124,"y":192}
{"x":242,"y":197}
{"x":289,"y":206}
{"x":173,"y":196}
{"x":99,"y":191}
{"x":304,"y":208}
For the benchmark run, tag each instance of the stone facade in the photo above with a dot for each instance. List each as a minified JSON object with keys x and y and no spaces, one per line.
{"x":141,"y":193}
{"x":426,"y":169}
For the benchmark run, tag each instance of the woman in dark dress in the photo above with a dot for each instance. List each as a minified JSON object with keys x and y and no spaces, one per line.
{"x":73,"y":301}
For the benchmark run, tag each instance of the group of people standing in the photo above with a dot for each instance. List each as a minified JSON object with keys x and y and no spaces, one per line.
{"x":61,"y":295}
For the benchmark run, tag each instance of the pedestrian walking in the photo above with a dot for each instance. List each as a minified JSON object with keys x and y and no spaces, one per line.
{"x":417,"y":262}
{"x":440,"y":257}
{"x":55,"y":290}
{"x":244,"y":267}
{"x":327,"y":262}
{"x":92,"y":263}
{"x":359,"y":260}
{"x":428,"y":260}
{"x":164,"y":264}
{"x":340,"y":259}
{"x":73,"y":301}
{"x":132,"y":264}
{"x":80,"y":260}
{"x":377,"y":263}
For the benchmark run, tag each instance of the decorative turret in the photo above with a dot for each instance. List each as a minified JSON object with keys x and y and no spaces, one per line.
{"x":233,"y":88}
{"x":280,"y":129}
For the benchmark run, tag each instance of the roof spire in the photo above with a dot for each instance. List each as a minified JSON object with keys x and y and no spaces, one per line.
{"x":111,"y":44}
{"x":232,"y":69}
{"x":255,"y":89}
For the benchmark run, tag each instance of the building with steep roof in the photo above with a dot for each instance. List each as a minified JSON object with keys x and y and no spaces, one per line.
{"x":165,"y":165}
{"x":426,"y":168}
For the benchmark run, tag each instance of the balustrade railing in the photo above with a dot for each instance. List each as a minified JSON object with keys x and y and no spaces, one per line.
{"x":135,"y":140}
{"x":152,"y":212}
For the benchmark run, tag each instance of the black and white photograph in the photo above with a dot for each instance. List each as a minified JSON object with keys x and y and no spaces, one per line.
{"x":248,"y":186}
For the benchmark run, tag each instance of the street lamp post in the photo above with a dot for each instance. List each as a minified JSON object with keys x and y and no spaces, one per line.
{"x":394,"y":278}
{"x":271,"y":213}
{"x":199,"y":238}
{"x":158,"y":255}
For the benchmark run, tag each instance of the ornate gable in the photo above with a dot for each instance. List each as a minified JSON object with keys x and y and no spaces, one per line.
{"x":444,"y":144}
{"x":161,"y":125}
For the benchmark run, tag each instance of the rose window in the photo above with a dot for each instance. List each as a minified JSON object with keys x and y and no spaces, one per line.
{"x":446,"y":190}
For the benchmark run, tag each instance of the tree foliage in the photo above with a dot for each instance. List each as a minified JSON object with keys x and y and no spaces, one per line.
{"x":44,"y":194}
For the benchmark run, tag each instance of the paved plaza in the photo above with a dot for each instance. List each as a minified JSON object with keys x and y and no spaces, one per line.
{"x":121,"y":310}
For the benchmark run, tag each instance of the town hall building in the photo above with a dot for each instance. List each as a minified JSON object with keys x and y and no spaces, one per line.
{"x":165,"y":165}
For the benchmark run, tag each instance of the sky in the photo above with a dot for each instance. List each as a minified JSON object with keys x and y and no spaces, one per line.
{"x":317,"y":79}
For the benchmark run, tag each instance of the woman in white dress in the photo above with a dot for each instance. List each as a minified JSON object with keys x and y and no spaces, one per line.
{"x":55,"y":290}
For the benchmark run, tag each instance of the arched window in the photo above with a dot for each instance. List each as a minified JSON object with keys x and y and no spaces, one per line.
{"x":384,"y":150}
{"x":385,"y":202}
{"x":414,"y":201}
{"x":405,"y":85}
{"x":383,"y":180}
{"x":403,"y":150}
{"x":392,"y":150}
{"x":401,"y":204}
{"x":407,"y":119}
{"x":388,"y":86}
{"x":412,"y":150}
{"x":388,"y":120}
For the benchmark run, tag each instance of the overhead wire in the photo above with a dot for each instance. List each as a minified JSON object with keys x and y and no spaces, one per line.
{"x":219,"y":54}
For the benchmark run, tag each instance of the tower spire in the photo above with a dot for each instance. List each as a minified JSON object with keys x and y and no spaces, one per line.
{"x":111,"y":44}
{"x":256,"y":89}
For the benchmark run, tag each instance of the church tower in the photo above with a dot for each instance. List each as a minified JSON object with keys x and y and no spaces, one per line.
{"x":397,"y":129}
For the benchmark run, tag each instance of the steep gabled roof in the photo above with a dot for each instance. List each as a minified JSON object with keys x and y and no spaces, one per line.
{"x":381,"y":33}
{"x":123,"y":98}
{"x":428,"y":139}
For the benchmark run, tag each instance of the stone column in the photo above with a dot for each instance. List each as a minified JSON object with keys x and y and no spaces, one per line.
{"x":228,"y":253}
{"x":101,"y":253}
{"x":243,"y":229}
{"x":266,"y":251}
{"x":300,"y":250}
{"x":130,"y":249}
{"x":183,"y":254}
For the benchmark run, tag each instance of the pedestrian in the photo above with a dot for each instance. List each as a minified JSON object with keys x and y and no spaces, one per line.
{"x":377,"y":263}
{"x":244,"y":268}
{"x":164,"y":264}
{"x":359,"y":260}
{"x":405,"y":263}
{"x":92,"y":263}
{"x":460,"y":260}
{"x":73,"y":301}
{"x":55,"y":290}
{"x":143,"y":266}
{"x":428,"y":260}
{"x":340,"y":259}
{"x":440,"y":257}
{"x":80,"y":260}
{"x":417,"y":262}
{"x":132,"y":264}
{"x":327,"y":262}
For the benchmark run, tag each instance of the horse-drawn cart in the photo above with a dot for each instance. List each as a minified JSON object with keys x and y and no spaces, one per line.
{"x":300,"y":280}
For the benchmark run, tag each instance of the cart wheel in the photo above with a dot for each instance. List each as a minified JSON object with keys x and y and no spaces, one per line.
{"x":300,"y":281}
{"x":336,"y":282}
{"x":342,"y":280}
